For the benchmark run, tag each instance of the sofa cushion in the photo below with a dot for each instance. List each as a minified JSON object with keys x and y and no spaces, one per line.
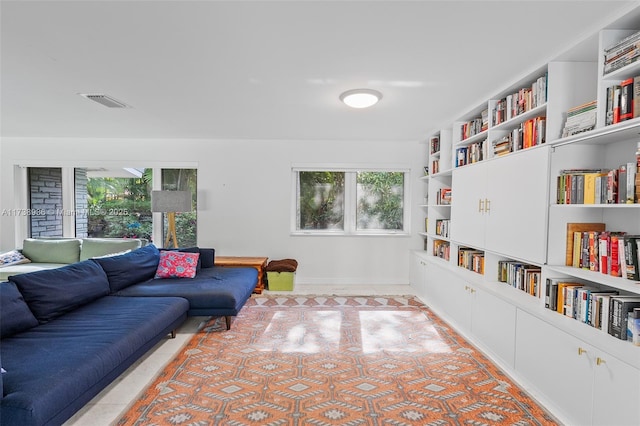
{"x":54,"y":292}
{"x":175,"y":264}
{"x":15,"y":315}
{"x":56,"y":368}
{"x":207,"y":257}
{"x":99,"y":247}
{"x":213,"y":291}
{"x":130,"y":268}
{"x":13,"y":257}
{"x":52,"y":251}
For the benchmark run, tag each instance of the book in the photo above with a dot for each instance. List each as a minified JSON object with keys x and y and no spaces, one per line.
{"x":616,"y":255}
{"x":551,"y":293}
{"x":631,"y":257}
{"x":626,"y":99}
{"x":619,"y":308}
{"x":630,"y":183}
{"x":621,"y":196}
{"x":636,"y":97}
{"x":604,"y":242}
{"x":578,"y":227}
{"x":616,"y":104}
{"x":612,"y":186}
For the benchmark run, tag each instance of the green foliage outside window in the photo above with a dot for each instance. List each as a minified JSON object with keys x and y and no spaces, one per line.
{"x":121,"y":207}
{"x":380,"y":200}
{"x":324,"y":203}
{"x":321,"y":201}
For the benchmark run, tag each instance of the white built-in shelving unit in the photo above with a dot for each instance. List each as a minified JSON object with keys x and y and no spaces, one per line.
{"x":504,"y":207}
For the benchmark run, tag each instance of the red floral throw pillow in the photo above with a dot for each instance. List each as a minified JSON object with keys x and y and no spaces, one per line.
{"x":174,"y":264}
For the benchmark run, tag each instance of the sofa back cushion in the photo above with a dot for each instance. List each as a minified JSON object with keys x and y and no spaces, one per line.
{"x":207,"y":257}
{"x":15,"y":315}
{"x":130,"y":268}
{"x":54,"y":292}
{"x":98,"y":247}
{"x":52,"y":251}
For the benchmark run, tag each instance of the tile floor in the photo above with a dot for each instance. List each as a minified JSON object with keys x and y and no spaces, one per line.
{"x":114,"y":400}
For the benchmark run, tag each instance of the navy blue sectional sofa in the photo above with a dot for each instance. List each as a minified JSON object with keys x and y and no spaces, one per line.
{"x":68,"y":332}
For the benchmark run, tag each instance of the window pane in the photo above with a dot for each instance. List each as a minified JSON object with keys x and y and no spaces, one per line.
{"x":119,"y":207}
{"x":320,"y":200}
{"x":186,"y":222}
{"x":45,"y":201}
{"x":380,"y":200}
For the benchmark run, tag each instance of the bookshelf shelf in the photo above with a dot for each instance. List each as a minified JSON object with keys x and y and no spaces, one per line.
{"x":504,"y":207}
{"x":634,"y":206}
{"x":619,"y":283}
{"x":472,"y":139}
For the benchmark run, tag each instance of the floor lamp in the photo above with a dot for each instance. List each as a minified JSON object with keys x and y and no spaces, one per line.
{"x":170,"y":202}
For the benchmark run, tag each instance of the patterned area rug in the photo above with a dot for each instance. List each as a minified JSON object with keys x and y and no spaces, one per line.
{"x":331,"y":360}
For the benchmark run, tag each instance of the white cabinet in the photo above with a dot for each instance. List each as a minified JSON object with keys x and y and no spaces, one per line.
{"x":585,"y":384}
{"x":493,"y":324}
{"x":471,"y":309}
{"x":418,"y":274}
{"x":500,"y":205}
{"x":468,"y":204}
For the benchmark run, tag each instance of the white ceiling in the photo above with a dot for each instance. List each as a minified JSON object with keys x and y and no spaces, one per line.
{"x":271,"y":70}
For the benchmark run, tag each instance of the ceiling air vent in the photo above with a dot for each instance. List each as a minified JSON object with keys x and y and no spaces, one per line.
{"x":105,"y":100}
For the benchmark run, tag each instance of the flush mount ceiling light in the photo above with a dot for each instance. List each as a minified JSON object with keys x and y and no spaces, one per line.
{"x":361,"y":98}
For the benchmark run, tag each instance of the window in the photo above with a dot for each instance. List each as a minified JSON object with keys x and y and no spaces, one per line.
{"x":349,"y":201}
{"x":186,"y":222}
{"x":105,"y":202}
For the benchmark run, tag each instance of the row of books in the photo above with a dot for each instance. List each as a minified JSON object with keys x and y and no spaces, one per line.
{"x":442,"y":227}
{"x":529,"y":134}
{"x":471,"y":259}
{"x":599,"y":186}
{"x":474,"y":126}
{"x":442,"y":249}
{"x":608,"y":252}
{"x":622,"y":53}
{"x":623,"y":101}
{"x":434,"y":145}
{"x":521,"y":276}
{"x":581,"y":118}
{"x":443,"y":196}
{"x":435,"y":166}
{"x":602,"y":309}
{"x":471,"y":153}
{"x":520,"y":102}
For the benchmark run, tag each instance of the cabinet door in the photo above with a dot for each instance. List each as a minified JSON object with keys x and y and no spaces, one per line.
{"x":494,"y":324}
{"x":468,"y":197}
{"x":450,"y":297}
{"x":616,"y":392}
{"x":558,"y":365}
{"x":418,"y":275}
{"x":517,"y":205}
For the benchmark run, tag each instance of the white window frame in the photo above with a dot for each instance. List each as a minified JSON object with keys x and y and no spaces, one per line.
{"x":350,"y":202}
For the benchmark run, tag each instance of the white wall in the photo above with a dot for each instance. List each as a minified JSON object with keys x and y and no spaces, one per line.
{"x":244,"y":196}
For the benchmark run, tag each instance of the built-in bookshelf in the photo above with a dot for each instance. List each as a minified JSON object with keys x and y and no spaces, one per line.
{"x":509,"y":226}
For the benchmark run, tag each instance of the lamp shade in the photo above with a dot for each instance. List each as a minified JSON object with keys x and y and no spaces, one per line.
{"x":170,"y":201}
